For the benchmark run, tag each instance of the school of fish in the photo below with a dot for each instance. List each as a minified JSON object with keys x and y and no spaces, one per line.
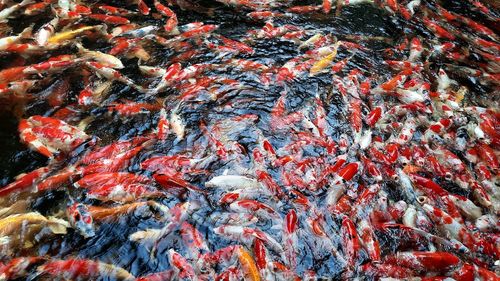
{"x":264,"y":149}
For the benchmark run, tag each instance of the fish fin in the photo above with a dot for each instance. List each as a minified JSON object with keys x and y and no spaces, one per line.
{"x":58,"y":229}
{"x":147,"y":235}
{"x":102,"y":28}
{"x":58,"y":226}
{"x":4,"y":240}
{"x":80,"y":47}
{"x":28,"y":244}
{"x":27,"y":32}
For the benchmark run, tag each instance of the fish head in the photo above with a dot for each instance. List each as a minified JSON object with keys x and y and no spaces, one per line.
{"x":81,"y":219}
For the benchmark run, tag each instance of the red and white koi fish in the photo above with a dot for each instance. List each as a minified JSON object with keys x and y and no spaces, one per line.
{"x":8,"y":41}
{"x":77,"y":269}
{"x":425,"y":261}
{"x":19,"y":267}
{"x":50,"y":136}
{"x":46,"y":31}
{"x":5,"y":13}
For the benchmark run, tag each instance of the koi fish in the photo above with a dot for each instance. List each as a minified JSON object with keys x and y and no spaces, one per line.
{"x":70,"y":34}
{"x":50,"y":136}
{"x":11,"y":226}
{"x":7,"y":12}
{"x":7,"y":42}
{"x":77,"y":269}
